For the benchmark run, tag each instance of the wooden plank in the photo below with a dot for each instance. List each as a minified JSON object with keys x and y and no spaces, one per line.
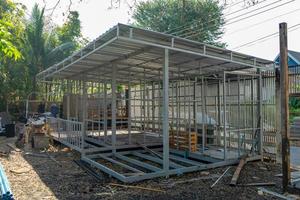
{"x":237,"y":172}
{"x":258,"y":184}
{"x":284,"y":97}
{"x":12,"y":146}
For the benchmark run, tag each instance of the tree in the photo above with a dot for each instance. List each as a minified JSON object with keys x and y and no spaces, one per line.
{"x":11,"y":51}
{"x":28,"y":46}
{"x":9,"y":16}
{"x":70,"y":31}
{"x":200,"y":20}
{"x":47,"y":46}
{"x":7,"y":48}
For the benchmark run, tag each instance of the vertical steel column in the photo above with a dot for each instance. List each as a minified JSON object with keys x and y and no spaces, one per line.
{"x":84,"y":113}
{"x":252,"y":114}
{"x":148,"y":108}
{"x":153,"y":106}
{"x":135,"y":117}
{"x":229,"y":113}
{"x":202,"y":114}
{"x":143,"y":105}
{"x":224,"y":114}
{"x":195,"y":105}
{"x":77,"y":100}
{"x":105,"y":111}
{"x":259,"y":112}
{"x":166,"y":112}
{"x":184,"y":103}
{"x":129,"y":113}
{"x":205,"y":110}
{"x":172,"y":107}
{"x":179,"y":100}
{"x":245,"y":112}
{"x":160,"y":97}
{"x":113,"y":109}
{"x":68,"y":98}
{"x":219,"y":113}
{"x":189,"y":113}
{"x":177,"y":112}
{"x":190,"y":104}
{"x":239,"y":115}
{"x":99,"y":118}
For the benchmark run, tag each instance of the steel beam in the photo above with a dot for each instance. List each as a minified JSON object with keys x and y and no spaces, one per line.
{"x":165,"y":113}
{"x":156,"y":159}
{"x":138,"y":163}
{"x":114,"y":109}
{"x":224,"y":116}
{"x":104,"y":169}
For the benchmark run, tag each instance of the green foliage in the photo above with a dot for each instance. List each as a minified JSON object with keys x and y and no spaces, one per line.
{"x":70,"y":31}
{"x":27,"y":47}
{"x":69,"y":36}
{"x":9,"y":15}
{"x":7,"y":48}
{"x":11,"y":51}
{"x":294,"y":108}
{"x":200,"y":20}
{"x":294,"y":103}
{"x":48,"y":47}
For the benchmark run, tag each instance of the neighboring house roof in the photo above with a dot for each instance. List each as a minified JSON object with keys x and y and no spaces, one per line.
{"x":293,"y":58}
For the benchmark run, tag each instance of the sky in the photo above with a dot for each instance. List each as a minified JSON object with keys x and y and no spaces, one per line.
{"x":97,"y":17}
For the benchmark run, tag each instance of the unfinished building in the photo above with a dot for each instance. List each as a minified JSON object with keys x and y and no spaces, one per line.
{"x":140,"y":104}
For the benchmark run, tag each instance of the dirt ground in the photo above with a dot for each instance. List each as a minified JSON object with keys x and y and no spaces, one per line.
{"x":39,"y":177}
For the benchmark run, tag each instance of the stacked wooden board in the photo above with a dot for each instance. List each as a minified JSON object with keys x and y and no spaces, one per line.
{"x":183,"y":140}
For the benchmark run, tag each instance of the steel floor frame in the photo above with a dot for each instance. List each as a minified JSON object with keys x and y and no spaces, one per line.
{"x":143,"y":164}
{"x":180,"y":161}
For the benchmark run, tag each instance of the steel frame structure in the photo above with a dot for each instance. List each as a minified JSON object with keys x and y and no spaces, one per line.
{"x":171,"y":85}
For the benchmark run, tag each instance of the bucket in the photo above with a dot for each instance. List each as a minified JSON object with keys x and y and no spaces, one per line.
{"x":10,"y":130}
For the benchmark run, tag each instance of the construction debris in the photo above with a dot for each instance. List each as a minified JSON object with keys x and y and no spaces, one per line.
{"x":53,"y":159}
{"x":13,"y":147}
{"x":88,"y":169}
{"x":237,"y":172}
{"x":36,"y":154}
{"x":20,"y":170}
{"x":5,"y":190}
{"x":137,"y":187}
{"x":220,"y":178}
{"x":264,"y":190}
{"x":258,"y":184}
{"x":212,"y":176}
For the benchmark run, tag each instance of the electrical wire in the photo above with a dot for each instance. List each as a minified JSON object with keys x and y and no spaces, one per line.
{"x":192,"y":31}
{"x":194,"y":34}
{"x":264,"y":38}
{"x":264,"y":21}
{"x":196,"y":21}
{"x":283,"y":4}
{"x":255,"y":10}
{"x":247,"y":7}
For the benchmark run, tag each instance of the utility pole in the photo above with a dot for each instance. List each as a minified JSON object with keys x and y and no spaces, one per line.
{"x":284,"y":95}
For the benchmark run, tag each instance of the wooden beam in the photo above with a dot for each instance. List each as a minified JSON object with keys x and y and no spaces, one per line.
{"x":237,"y":172}
{"x":284,"y":91}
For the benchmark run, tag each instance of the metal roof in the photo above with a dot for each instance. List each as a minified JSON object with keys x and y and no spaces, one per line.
{"x":138,"y":55}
